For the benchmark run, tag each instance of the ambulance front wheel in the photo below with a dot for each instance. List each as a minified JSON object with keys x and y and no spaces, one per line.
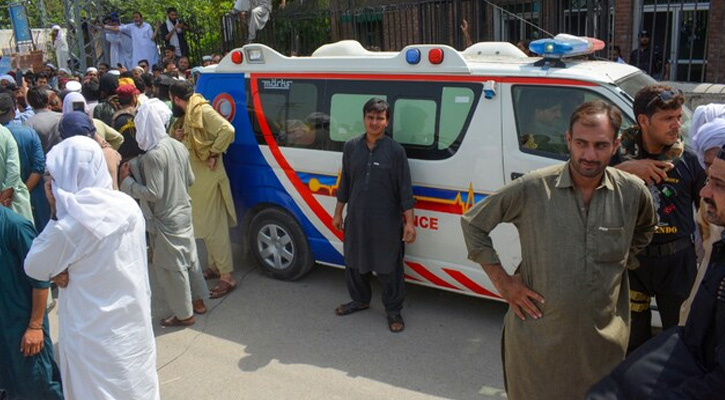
{"x":278,"y":244}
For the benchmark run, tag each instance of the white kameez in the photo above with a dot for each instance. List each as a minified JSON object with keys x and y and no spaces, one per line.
{"x":107,"y":348}
{"x":144,"y":47}
{"x":120,"y":49}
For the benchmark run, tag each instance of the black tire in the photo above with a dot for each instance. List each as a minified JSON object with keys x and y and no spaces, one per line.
{"x":279,"y":245}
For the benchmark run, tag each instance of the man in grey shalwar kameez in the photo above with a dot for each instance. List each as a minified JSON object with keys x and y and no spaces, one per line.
{"x":160,"y":178}
{"x":375,"y":183}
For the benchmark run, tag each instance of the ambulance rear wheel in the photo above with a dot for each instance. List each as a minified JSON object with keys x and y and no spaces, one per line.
{"x":279,"y":246}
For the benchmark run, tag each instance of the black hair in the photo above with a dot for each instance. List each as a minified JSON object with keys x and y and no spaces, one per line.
{"x":170,"y":47}
{"x":143,"y":61}
{"x":377,"y":105}
{"x":649,"y":100}
{"x":38,"y":97}
{"x":139,"y":83}
{"x":148,"y":80}
{"x":166,"y":64}
{"x":182,"y":90}
{"x":137,"y":12}
{"x":170,"y":10}
{"x":105,"y":65}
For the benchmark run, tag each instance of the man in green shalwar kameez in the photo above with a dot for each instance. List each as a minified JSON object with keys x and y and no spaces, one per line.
{"x":27,"y":369}
{"x":581,"y":225}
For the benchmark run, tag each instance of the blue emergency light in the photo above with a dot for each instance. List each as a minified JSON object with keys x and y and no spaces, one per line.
{"x":563,"y":45}
{"x":412,"y":56}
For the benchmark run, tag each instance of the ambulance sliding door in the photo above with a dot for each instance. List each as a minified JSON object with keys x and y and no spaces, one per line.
{"x":437,"y":123}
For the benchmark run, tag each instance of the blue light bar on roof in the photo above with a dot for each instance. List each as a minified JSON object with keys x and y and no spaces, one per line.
{"x":563,"y":45}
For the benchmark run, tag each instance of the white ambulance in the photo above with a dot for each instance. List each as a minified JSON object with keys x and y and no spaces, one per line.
{"x":471,"y":121}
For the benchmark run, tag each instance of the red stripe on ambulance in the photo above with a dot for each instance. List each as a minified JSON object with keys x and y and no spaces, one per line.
{"x":302,"y":189}
{"x":432,"y":278}
{"x":471,"y":285}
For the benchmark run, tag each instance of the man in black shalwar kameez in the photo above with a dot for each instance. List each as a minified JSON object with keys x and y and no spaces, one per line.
{"x":375,"y":183}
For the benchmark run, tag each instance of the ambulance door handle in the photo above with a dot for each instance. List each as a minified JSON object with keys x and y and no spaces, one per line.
{"x":516,"y":175}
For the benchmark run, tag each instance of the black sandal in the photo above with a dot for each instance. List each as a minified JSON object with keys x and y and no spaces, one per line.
{"x":351,"y":307}
{"x":395,"y":320}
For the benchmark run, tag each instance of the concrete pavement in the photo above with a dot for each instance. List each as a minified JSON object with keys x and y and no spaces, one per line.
{"x":273,"y":339}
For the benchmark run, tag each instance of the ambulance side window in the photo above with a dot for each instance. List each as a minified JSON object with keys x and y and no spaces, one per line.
{"x":456,"y":104}
{"x":414,"y":122}
{"x":346,"y":120}
{"x":429,"y":119}
{"x":291,"y":111}
{"x":542,"y":117}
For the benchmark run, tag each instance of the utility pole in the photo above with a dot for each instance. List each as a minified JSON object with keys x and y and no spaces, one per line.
{"x":84,"y":38}
{"x":43,"y":15}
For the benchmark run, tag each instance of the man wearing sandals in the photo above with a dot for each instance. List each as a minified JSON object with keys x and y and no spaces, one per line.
{"x":206,"y":135}
{"x":375,"y":183}
{"x":581,"y":224}
{"x":160,"y":179}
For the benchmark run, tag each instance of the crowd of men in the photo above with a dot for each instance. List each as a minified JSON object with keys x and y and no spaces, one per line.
{"x":137,"y":42}
{"x":70,"y":151}
{"x":601,"y":235}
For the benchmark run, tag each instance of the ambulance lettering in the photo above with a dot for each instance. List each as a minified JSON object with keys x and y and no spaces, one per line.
{"x":426,"y":222}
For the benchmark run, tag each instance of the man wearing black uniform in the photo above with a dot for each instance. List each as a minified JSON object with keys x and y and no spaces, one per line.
{"x":648,"y":58}
{"x":655,"y":151}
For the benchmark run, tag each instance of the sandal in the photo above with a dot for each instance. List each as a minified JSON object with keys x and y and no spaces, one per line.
{"x":221,"y":289}
{"x":210,"y":274}
{"x":351,"y":307}
{"x":198,"y":306}
{"x":173,"y":321}
{"x":395,"y":323}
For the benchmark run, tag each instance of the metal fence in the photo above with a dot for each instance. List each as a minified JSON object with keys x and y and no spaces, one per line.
{"x":678,"y":28}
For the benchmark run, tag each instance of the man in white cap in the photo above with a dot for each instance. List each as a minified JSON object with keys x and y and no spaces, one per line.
{"x":91,"y":73}
{"x":98,"y":259}
{"x":160,"y":179}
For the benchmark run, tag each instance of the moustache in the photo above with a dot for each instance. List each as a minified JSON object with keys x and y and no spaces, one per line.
{"x":709,"y":202}
{"x":590,"y":162}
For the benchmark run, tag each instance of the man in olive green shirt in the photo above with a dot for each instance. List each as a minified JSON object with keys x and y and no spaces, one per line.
{"x":581,"y":225}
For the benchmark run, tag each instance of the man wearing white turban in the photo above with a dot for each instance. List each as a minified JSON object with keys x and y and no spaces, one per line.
{"x":95,"y":250}
{"x":60,"y":45}
{"x":704,"y":114}
{"x":707,"y":141}
{"x":160,"y":179}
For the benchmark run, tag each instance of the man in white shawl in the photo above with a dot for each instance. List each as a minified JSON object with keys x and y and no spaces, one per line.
{"x":94,"y":248}
{"x":60,"y":44}
{"x":160,"y":179}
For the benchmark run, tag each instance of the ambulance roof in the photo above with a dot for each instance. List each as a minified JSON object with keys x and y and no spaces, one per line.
{"x":485,"y":58}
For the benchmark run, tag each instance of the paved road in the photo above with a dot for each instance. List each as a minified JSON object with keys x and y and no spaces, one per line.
{"x":272,"y":339}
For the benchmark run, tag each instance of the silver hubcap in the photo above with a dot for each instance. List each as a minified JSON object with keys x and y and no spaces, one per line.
{"x":275,"y":246}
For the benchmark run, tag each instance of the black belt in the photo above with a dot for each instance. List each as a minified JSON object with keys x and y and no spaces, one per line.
{"x":666,"y":249}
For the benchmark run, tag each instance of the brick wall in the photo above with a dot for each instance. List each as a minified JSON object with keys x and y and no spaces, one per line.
{"x":623,"y":14}
{"x":715,"y":72}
